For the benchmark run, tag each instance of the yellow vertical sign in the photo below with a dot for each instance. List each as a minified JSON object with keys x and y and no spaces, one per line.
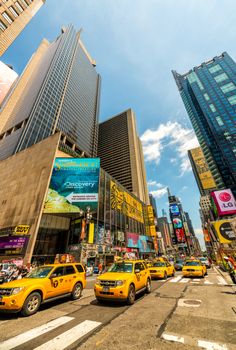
{"x":91,"y":233}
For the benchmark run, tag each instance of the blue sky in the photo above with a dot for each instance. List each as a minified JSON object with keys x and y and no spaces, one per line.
{"x":136,"y":43}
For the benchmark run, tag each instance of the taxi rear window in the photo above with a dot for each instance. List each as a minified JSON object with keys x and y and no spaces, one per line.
{"x":79,"y":268}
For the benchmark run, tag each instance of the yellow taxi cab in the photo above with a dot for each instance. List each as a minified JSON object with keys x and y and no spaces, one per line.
{"x":41,"y":285}
{"x":161,"y":268}
{"x":123,"y":281}
{"x":194,"y":267}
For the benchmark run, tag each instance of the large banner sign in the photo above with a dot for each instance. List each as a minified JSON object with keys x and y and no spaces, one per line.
{"x":225,"y":230}
{"x":74,"y":185}
{"x":225,"y":202}
{"x":132,"y":240}
{"x":124,"y":202}
{"x":143,"y":244}
{"x":202,"y":168}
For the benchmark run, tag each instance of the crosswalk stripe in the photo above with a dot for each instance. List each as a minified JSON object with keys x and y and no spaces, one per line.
{"x":67,"y":338}
{"x":176,"y":279}
{"x":221,"y":280}
{"x":184,"y":280}
{"x":207,"y":282}
{"x":33,"y":333}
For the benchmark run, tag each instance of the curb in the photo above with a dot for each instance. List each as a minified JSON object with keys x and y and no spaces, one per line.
{"x":225,"y":275}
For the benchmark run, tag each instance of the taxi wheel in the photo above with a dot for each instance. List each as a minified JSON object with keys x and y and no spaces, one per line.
{"x":131,"y":295}
{"x":31,"y":304}
{"x":77,"y":291}
{"x":148,"y":286}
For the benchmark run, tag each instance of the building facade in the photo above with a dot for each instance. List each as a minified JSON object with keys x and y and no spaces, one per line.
{"x":120,"y":150}
{"x":7,"y":78}
{"x":37,"y":222}
{"x":209,"y":95}
{"x":62,"y":93}
{"x":14,"y":16}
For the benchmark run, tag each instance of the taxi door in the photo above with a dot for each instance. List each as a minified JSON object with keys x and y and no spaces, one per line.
{"x":143,"y":273}
{"x":70,"y":278}
{"x":56,"y":285}
{"x":169,"y":269}
{"x":138,"y":279}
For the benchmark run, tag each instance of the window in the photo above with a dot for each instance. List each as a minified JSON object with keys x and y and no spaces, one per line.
{"x":193,"y":78}
{"x":221,"y":77}
{"x":59,"y":271}
{"x":24,"y":3}
{"x":228,"y":87}
{"x":215,"y":68}
{"x":212,"y":107}
{"x":79,"y":268}
{"x":7,"y":18}
{"x":15,"y":14}
{"x":207,"y":98}
{"x":2,"y":26}
{"x":219,"y":121}
{"x":232,"y":100}
{"x":20,"y":8}
{"x":69,"y":270}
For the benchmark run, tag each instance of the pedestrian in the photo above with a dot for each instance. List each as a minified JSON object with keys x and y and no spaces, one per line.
{"x":231,"y":268}
{"x":100,"y":266}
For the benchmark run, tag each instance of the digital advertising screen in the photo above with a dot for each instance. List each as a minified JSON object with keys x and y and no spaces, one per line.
{"x":174,"y":209}
{"x":177,"y":223}
{"x":74,"y":185}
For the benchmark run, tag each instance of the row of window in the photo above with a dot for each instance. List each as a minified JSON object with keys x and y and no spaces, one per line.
{"x":15,"y":12}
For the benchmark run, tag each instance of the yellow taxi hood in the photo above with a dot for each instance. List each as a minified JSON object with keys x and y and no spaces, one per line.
{"x":115,"y":276}
{"x":157,"y":268}
{"x":24,"y":282}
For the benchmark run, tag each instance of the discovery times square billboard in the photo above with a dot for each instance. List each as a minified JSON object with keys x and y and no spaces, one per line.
{"x":74,"y":185}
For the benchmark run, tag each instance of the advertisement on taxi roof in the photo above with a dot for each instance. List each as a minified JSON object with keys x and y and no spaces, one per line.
{"x":225,"y":202}
{"x":74,"y":185}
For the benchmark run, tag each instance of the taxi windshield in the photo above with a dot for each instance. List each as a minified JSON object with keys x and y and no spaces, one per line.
{"x":39,"y":272}
{"x":159,"y":264}
{"x":193,"y":263}
{"x":121,"y":267}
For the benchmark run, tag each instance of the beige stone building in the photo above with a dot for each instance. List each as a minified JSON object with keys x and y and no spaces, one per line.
{"x":120,"y":150}
{"x":14,"y":16}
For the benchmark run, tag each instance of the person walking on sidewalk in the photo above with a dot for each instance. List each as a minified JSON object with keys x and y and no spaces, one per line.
{"x":231,"y":268}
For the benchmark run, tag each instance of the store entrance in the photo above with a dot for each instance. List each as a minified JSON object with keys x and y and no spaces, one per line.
{"x":49,"y":243}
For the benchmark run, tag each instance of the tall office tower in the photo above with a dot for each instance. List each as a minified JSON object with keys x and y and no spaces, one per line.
{"x":209,"y":94}
{"x":201,"y":171}
{"x":60,"y":94}
{"x":153,"y":204}
{"x":189,"y":223}
{"x":14,"y":16}
{"x":121,"y":153}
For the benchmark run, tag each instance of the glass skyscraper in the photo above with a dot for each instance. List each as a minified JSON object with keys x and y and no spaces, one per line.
{"x":209,"y":95}
{"x":62,"y":94}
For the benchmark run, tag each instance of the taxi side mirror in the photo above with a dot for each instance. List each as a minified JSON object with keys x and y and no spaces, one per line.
{"x":136,"y":270}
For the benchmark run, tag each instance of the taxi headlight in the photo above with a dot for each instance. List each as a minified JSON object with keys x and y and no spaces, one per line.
{"x":17,"y":290}
{"x":120,"y":283}
{"x":98,"y":281}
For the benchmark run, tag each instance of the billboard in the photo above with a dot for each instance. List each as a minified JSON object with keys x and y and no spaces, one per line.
{"x":174,"y":209}
{"x":124,"y":202}
{"x":74,"y":185}
{"x":225,"y":230}
{"x":202,"y":169}
{"x":225,"y":202}
{"x":179,"y":232}
{"x":7,"y":78}
{"x":10,"y":242}
{"x":143,"y":244}
{"x":177,"y":223}
{"x":132,"y":240}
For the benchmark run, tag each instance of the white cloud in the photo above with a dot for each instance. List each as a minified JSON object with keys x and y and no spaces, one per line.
{"x":159,"y":193}
{"x":171,"y":134}
{"x":153,"y":183}
{"x":184,"y":188}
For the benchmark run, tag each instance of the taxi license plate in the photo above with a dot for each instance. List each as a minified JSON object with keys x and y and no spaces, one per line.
{"x":105,"y":289}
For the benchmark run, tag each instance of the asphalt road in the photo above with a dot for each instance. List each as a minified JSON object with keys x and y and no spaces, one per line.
{"x":180,"y":313}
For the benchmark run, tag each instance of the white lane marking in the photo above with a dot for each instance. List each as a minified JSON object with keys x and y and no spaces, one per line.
{"x":207,"y":282}
{"x":67,"y":338}
{"x":211,"y":346}
{"x":221,"y":280}
{"x":196,"y":280}
{"x":171,"y":337}
{"x":184,"y":280}
{"x":176,"y":279}
{"x":33,"y":333}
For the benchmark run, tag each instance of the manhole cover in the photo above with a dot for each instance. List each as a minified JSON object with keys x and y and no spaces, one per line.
{"x":189,"y":302}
